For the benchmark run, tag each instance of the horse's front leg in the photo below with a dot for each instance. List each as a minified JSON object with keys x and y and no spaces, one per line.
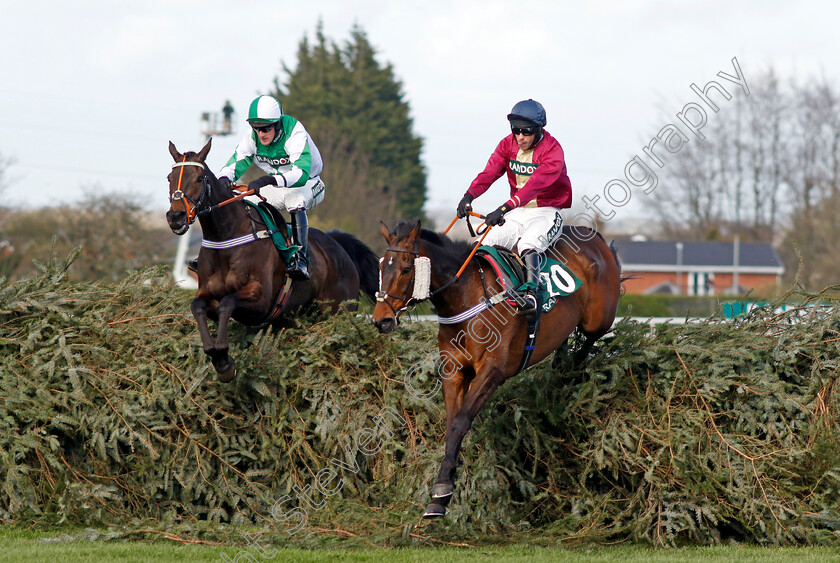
{"x":480,"y":389}
{"x":199,"y":307}
{"x":223,"y":362}
{"x":454,"y":389}
{"x":216,"y":350}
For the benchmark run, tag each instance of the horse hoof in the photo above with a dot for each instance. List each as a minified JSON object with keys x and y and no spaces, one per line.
{"x":442,"y":491}
{"x":227,"y":371}
{"x":434,"y":510}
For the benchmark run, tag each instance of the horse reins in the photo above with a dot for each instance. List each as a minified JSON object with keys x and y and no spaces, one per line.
{"x":193,"y":208}
{"x":532,"y":320}
{"x":196,"y":209}
{"x":381,"y":294}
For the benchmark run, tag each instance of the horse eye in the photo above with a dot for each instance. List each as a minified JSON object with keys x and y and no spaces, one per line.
{"x":406,"y":270}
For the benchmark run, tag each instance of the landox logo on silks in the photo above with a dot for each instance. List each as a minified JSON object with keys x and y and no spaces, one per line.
{"x":525,"y":168}
{"x":273,"y":161}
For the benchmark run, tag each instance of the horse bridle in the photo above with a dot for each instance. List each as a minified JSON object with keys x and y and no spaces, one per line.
{"x":191,"y":207}
{"x":381,"y":295}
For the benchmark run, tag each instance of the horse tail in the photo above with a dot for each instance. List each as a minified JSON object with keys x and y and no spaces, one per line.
{"x":365,"y":260}
{"x":614,"y":251}
{"x":621,"y":278}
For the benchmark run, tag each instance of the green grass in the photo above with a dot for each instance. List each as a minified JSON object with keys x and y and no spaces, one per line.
{"x":90,"y":545}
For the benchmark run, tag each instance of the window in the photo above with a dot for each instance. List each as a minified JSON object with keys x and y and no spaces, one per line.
{"x":701,"y":283}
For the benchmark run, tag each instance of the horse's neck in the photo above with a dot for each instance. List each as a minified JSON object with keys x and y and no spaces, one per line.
{"x":456,"y":295}
{"x":224,"y":222}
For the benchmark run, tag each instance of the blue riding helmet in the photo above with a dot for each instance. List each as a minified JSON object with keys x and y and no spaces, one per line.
{"x":528,"y":110}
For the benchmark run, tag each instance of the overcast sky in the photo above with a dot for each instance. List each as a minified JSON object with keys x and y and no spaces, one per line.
{"x":92,"y":91}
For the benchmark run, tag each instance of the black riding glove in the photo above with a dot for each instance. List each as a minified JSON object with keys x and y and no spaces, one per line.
{"x":260,"y":182}
{"x":464,"y":206}
{"x":496,"y":217}
{"x":224,"y":181}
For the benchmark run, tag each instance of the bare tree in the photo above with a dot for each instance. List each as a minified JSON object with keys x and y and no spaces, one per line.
{"x":115,"y":238}
{"x":813,"y":176}
{"x":731,"y":181}
{"x":5,"y":181}
{"x":768,"y":170}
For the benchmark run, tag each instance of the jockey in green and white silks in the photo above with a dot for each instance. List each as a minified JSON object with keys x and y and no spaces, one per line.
{"x":280,"y":145}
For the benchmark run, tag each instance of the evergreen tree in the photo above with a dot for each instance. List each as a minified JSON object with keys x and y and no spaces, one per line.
{"x":354,"y":108}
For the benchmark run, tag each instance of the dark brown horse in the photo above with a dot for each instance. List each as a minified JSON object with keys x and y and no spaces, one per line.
{"x":241,"y":274}
{"x":480,"y":350}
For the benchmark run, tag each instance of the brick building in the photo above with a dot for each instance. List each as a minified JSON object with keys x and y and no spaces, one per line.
{"x":699,"y":268}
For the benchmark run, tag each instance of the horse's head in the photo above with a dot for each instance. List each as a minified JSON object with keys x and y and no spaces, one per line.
{"x":400,"y":269}
{"x":187,"y":187}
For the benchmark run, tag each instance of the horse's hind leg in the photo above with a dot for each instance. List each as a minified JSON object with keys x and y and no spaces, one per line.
{"x":579,"y":356}
{"x":561,"y":354}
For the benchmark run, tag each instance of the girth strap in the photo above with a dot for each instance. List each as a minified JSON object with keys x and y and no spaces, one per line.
{"x":533,"y":327}
{"x":281,"y":301}
{"x":238,"y":241}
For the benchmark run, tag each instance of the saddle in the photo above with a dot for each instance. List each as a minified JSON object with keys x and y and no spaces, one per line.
{"x":556,"y":280}
{"x":510,"y":272}
{"x":506,"y":265}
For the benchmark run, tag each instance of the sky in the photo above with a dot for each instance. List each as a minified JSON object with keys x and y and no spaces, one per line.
{"x":92,"y":91}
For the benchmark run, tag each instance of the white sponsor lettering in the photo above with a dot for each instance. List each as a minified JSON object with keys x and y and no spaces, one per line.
{"x":522,"y":168}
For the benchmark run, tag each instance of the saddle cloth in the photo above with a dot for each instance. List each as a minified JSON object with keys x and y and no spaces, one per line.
{"x":287,"y":250}
{"x":556,"y":280}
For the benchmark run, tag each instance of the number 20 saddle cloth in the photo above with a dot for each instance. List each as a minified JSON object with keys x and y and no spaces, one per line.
{"x":556,"y":280}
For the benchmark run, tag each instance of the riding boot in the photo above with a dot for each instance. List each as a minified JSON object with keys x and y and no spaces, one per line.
{"x":298,"y":267}
{"x":528,"y":296}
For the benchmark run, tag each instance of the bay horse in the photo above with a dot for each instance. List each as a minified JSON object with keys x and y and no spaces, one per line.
{"x":480,"y":350}
{"x":241,"y":274}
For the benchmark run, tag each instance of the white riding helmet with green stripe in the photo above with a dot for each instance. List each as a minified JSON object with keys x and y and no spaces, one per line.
{"x":264,"y":110}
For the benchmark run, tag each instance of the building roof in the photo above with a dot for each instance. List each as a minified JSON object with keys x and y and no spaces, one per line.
{"x":661,"y":255}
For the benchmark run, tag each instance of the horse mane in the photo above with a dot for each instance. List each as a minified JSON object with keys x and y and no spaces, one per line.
{"x":459,"y":248}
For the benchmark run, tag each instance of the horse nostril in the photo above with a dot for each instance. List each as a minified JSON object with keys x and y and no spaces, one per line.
{"x":385,"y":325}
{"x":174,"y":215}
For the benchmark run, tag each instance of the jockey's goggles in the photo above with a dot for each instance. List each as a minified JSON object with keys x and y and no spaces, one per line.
{"x":523,"y":130}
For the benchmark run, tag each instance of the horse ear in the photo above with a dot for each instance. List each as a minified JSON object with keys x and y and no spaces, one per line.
{"x":415,"y":230}
{"x":174,"y":152}
{"x":385,"y":231}
{"x":202,"y":154}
